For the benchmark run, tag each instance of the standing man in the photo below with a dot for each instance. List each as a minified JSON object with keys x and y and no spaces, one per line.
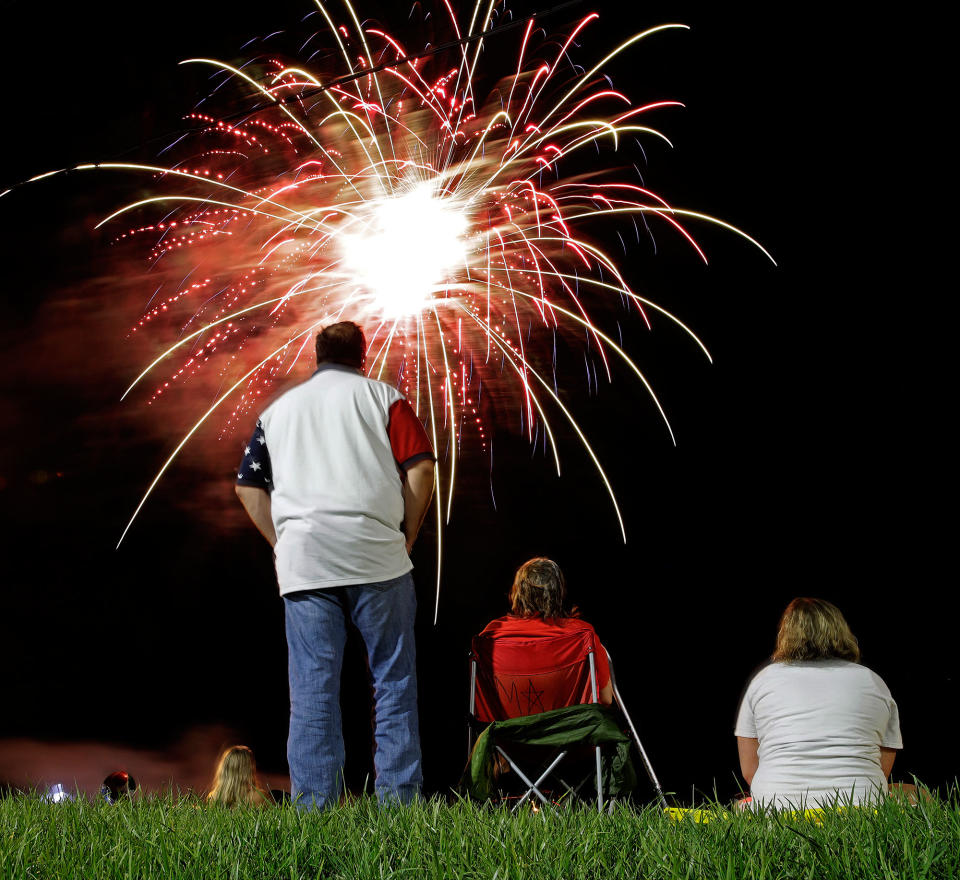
{"x":338,"y":477}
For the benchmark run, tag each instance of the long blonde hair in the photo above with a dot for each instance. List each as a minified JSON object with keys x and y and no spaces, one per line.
{"x":235,"y":780}
{"x":814,"y":629}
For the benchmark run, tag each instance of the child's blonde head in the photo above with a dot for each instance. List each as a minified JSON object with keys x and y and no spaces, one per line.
{"x":235,"y":781}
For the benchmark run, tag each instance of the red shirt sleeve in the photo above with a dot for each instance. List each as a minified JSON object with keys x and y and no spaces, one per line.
{"x":408,"y":439}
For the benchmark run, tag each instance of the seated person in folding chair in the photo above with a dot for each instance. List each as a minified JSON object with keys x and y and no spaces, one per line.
{"x":538,"y":612}
{"x":539,"y":658}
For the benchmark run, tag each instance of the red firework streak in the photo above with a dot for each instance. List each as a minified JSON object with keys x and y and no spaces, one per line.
{"x":385,"y":190}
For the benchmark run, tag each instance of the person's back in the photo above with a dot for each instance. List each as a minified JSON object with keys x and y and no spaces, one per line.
{"x":814,"y":726}
{"x":337,"y":496}
{"x":819,"y":724}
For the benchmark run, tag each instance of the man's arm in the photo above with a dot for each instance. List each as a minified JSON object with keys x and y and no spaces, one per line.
{"x":417,"y":492}
{"x":256,"y":502}
{"x":748,"y":746}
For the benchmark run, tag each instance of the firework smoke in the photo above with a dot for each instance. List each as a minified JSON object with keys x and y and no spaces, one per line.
{"x":459,"y":227}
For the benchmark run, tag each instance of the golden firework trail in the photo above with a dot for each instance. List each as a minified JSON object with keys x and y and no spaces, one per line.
{"x":380,"y":187}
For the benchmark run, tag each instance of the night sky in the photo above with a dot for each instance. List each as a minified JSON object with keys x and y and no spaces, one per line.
{"x":811,"y":456}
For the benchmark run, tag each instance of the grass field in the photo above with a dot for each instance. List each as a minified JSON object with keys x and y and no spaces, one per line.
{"x":167,"y":838}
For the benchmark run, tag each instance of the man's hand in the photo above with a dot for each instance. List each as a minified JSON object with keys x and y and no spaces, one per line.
{"x":256,"y":502}
{"x":417,"y":492}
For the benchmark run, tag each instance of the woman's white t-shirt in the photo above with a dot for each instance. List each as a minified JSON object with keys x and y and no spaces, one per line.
{"x":820,"y":725}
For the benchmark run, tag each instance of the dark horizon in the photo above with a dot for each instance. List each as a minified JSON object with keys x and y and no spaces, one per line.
{"x":808,"y":458}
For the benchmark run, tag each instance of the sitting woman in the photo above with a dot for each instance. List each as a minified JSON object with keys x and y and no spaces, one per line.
{"x":815,"y":727}
{"x":538,"y":615}
{"x":235,"y":781}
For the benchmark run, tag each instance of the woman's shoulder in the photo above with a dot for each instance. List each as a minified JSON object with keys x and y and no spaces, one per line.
{"x":773,"y":672}
{"x":576,"y":624}
{"x":499,"y":624}
{"x":872,"y":679}
{"x":513,"y":624}
{"x":832,"y":667}
{"x":825,"y":666}
{"x":855,"y":678}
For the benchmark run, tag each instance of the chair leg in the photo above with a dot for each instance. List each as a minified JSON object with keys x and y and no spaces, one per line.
{"x":636,"y":738}
{"x":532,"y":786}
{"x":540,"y":779}
{"x":572,"y":790}
{"x":599,"y":783}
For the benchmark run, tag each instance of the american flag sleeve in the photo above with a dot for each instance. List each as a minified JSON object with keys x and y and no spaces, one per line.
{"x":255,"y":469}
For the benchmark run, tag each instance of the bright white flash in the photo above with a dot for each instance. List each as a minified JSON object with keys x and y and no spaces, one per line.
{"x":408,"y":249}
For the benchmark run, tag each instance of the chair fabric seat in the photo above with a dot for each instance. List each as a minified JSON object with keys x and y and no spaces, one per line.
{"x":590,"y":724}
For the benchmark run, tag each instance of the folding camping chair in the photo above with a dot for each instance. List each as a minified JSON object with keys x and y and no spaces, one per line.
{"x":514,"y":679}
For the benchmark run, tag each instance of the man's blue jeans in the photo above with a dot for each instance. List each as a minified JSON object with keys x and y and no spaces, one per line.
{"x":316,"y":633}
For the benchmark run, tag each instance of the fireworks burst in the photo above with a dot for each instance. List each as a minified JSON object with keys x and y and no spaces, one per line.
{"x":455,"y":227}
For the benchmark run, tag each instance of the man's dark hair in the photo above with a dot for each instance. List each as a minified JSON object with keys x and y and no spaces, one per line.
{"x":342,"y":343}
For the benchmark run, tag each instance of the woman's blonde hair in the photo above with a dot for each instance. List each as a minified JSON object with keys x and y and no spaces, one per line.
{"x":814,"y":629}
{"x":235,"y":780}
{"x":539,"y":588}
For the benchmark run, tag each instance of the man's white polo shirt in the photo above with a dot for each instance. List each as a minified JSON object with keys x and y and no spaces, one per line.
{"x":332,"y":452}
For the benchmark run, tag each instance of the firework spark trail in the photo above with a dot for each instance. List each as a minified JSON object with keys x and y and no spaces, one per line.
{"x":455,"y":228}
